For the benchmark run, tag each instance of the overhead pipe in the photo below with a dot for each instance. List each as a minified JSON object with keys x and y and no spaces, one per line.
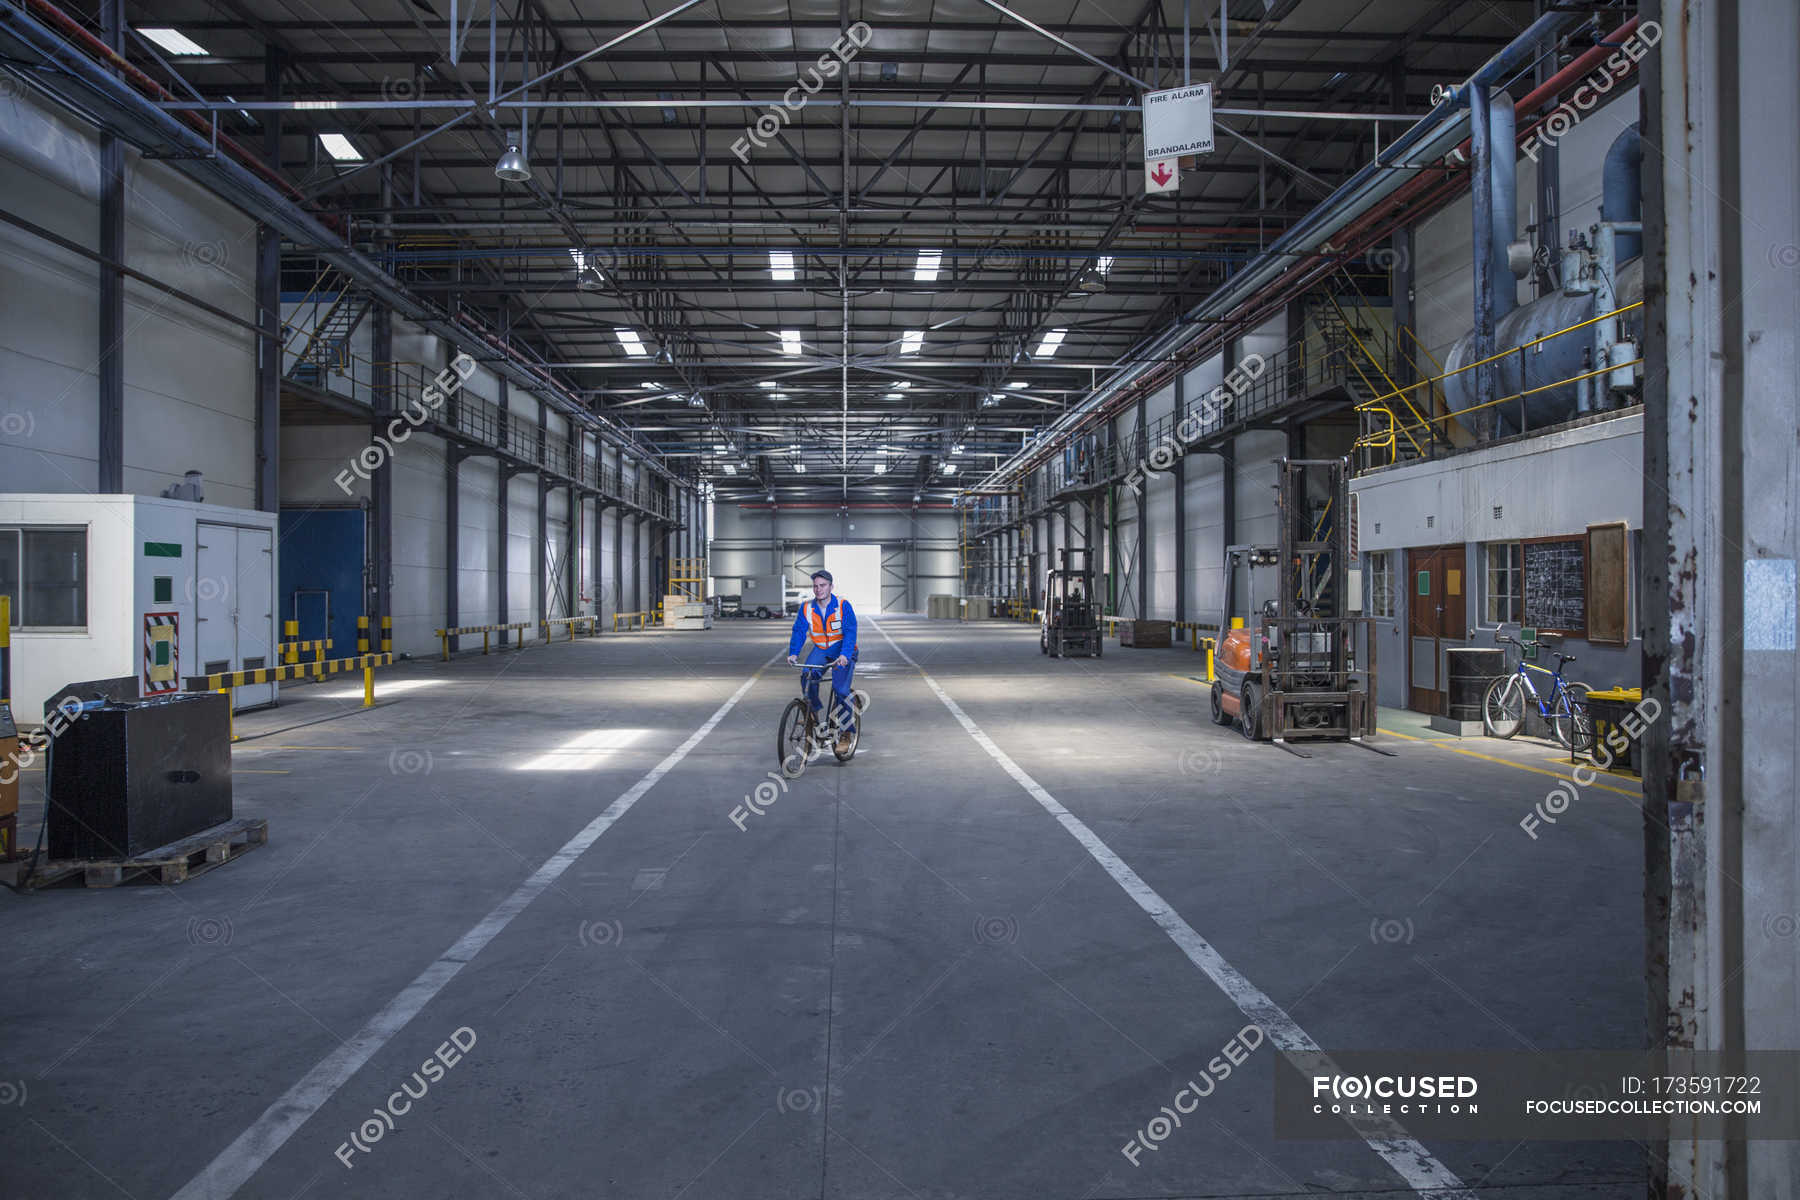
{"x":1622,"y":195}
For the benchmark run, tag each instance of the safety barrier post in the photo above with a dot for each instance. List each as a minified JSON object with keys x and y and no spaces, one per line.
{"x":362,"y":635}
{"x":230,"y":716}
{"x":1211,"y":643}
{"x":291,"y":630}
{"x":387,"y":635}
{"x":369,"y":686}
{"x":445,"y":637}
{"x":484,"y":641}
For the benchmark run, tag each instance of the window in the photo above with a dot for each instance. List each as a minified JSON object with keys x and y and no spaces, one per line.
{"x":1381,"y":585}
{"x":1503,"y":601}
{"x":44,"y":571}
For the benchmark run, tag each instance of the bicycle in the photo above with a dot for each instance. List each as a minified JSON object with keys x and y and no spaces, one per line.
{"x":797,"y":738}
{"x":1564,"y":709}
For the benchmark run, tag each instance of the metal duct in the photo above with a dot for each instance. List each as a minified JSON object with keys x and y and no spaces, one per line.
{"x":1504,"y":196}
{"x":1622,"y":197}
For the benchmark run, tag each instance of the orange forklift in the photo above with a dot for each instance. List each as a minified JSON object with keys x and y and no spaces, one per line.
{"x":1290,"y":668}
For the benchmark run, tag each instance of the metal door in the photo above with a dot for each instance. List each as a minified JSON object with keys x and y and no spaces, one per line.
{"x":234,"y":604}
{"x":254,"y":613}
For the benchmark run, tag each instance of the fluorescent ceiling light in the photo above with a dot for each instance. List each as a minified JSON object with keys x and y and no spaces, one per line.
{"x":634,"y":345}
{"x":1052,"y":340}
{"x":926,"y":270}
{"x":781,"y":264}
{"x":1104,"y":263}
{"x":781,"y":396}
{"x":650,"y":387}
{"x":721,"y":447}
{"x":1016,"y":384}
{"x":799,"y":468}
{"x":911,"y":341}
{"x":174,"y":41}
{"x":790,"y":341}
{"x":881,"y":468}
{"x":339,"y":147}
{"x":767,"y":383}
{"x":905,"y":383}
{"x":949,"y":468}
{"x":730,"y":469}
{"x":956,"y":449}
{"x":892,"y":396}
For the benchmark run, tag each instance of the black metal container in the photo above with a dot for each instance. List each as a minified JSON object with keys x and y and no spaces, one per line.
{"x":1472,"y":668}
{"x":128,"y":778}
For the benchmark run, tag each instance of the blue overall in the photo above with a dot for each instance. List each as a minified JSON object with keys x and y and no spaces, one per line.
{"x":841,"y":640}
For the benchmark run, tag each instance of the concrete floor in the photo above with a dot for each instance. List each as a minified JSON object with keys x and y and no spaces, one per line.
{"x":905,"y":979}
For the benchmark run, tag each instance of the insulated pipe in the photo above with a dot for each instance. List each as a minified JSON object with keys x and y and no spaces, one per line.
{"x":1622,"y":195}
{"x":1504,"y":200}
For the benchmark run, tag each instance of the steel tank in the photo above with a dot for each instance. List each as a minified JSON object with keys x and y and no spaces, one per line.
{"x":1548,"y":362}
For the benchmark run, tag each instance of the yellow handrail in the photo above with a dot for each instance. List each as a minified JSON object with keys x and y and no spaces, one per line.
{"x":1521,"y":395}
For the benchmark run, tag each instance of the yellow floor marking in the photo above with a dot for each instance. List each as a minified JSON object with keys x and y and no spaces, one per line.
{"x":1505,"y":762}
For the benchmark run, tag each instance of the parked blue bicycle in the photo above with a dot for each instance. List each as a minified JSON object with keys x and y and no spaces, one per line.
{"x":1564,"y":709}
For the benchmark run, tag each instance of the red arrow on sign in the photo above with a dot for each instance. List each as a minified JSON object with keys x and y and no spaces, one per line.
{"x":1161,"y":174}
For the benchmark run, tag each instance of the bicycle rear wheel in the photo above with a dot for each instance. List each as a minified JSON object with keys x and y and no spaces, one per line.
{"x":793,"y":738}
{"x":1503,"y":708}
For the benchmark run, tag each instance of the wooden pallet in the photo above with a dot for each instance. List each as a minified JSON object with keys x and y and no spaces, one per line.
{"x":173,"y":863}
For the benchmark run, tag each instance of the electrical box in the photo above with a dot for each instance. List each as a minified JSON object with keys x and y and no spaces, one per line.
{"x":163,"y":589}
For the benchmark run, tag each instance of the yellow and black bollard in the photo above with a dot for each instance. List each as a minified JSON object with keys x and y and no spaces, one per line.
{"x":362,"y":635}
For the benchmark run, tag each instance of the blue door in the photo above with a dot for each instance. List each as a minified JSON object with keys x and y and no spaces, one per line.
{"x":322,"y":574}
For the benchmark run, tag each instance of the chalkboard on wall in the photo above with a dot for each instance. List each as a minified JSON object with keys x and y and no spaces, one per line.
{"x":1556,"y":586}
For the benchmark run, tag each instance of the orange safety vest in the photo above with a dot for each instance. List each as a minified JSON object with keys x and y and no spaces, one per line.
{"x":826,"y":629}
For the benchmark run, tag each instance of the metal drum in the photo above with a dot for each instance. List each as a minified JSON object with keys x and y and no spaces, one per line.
{"x":1471,"y":670}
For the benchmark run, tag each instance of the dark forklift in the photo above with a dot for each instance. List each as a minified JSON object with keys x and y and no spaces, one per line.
{"x":1292,"y":671}
{"x":1070,"y":623}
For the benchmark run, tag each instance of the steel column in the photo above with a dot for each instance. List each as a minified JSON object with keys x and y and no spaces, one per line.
{"x":381,"y":480}
{"x":1180,"y":474}
{"x":453,"y":456}
{"x":504,"y":473}
{"x":110,"y":367}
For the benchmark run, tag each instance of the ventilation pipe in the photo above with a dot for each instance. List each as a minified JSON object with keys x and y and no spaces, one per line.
{"x":1495,"y":203}
{"x":1622,"y":197}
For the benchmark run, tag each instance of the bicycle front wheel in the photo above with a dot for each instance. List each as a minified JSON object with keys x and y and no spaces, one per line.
{"x":1503,"y":708}
{"x":792,"y":737}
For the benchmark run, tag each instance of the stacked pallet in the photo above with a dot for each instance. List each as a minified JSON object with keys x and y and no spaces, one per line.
{"x":684,"y":612}
{"x":1144,"y":635}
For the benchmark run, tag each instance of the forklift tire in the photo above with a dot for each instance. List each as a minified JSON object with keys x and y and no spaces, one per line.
{"x":1250,"y":711}
{"x":1219,"y":715}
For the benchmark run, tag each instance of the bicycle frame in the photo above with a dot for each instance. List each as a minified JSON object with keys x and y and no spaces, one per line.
{"x":1557,"y":692}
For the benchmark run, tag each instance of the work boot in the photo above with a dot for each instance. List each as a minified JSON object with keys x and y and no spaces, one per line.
{"x":846,"y":741}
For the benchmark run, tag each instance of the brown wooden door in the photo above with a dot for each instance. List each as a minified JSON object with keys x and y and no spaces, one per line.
{"x":1437,"y":592}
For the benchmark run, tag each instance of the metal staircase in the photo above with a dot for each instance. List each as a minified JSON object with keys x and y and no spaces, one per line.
{"x":326,"y":344}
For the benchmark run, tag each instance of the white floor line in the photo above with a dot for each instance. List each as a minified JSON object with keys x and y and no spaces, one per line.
{"x":256,"y":1145}
{"x":1406,"y":1155}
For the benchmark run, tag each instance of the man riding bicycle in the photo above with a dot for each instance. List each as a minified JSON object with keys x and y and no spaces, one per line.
{"x":828,"y":624}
